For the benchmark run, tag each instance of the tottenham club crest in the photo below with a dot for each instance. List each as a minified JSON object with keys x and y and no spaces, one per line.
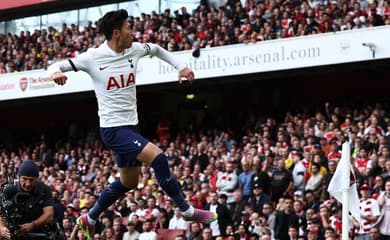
{"x":23,"y":83}
{"x":130,"y":62}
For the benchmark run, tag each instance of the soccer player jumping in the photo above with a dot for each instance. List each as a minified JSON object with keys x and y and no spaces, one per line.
{"x":112,"y":66}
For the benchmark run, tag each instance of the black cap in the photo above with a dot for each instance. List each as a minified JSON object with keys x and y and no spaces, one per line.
{"x":28,"y":169}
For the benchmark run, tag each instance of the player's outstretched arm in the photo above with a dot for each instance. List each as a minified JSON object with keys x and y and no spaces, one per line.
{"x":161,"y":53}
{"x":57,"y":69}
{"x":56,"y":72}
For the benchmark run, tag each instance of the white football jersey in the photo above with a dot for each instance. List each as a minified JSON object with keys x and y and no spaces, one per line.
{"x":114,"y":78}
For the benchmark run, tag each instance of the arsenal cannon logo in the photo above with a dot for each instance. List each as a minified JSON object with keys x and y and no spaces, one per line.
{"x":23,"y":83}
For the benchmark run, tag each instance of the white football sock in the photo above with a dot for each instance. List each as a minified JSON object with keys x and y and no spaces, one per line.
{"x":189,"y":212}
{"x":90,"y":220}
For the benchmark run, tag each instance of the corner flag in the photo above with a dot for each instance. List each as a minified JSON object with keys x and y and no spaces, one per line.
{"x":341,"y":183}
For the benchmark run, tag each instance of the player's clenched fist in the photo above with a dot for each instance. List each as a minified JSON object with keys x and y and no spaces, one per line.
{"x":59,"y":78}
{"x":186,"y":73}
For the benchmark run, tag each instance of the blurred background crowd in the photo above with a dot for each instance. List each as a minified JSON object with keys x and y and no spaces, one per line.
{"x":209,"y":25}
{"x":266,"y":181}
{"x":266,"y":177}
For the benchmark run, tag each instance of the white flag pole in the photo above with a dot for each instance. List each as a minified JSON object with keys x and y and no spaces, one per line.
{"x":345,"y":189}
{"x":345,"y":218}
{"x":341,"y":189}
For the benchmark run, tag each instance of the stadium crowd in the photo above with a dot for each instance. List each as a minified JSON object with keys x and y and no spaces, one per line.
{"x":267,"y":181}
{"x":208,"y":26}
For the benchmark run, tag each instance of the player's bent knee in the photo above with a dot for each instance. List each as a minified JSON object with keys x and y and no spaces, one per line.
{"x":149,"y":153}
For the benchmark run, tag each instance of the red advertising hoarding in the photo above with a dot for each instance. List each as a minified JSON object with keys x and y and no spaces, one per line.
{"x":20,"y":3}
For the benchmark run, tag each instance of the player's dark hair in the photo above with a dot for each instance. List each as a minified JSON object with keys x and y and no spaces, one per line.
{"x":110,"y":21}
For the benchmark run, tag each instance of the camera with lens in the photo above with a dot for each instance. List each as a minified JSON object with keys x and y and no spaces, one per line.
{"x":12,"y":204}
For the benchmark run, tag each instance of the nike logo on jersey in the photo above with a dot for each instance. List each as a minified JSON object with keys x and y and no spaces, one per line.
{"x":137,"y":143}
{"x":102,"y":68}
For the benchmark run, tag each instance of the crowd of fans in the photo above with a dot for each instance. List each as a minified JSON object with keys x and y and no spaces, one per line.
{"x":208,"y":26}
{"x":268,"y":183}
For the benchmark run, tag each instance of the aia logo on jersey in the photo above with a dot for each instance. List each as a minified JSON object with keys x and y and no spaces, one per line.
{"x":23,"y":82}
{"x":121,"y":82}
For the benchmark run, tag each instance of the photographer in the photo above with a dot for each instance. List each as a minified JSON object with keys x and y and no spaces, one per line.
{"x":33,"y":203}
